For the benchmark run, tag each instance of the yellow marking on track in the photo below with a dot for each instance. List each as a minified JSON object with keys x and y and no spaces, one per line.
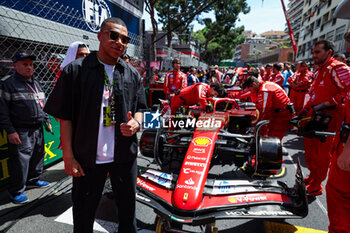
{"x":280,"y":174}
{"x":275,"y":227}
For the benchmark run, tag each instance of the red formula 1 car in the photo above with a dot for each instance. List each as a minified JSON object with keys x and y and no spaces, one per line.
{"x":182,"y":189}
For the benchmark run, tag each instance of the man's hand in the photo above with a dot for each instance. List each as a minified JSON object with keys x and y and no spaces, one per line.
{"x":71,"y":166}
{"x":48,"y":127}
{"x":344,"y":162}
{"x":131,"y":127}
{"x":13,"y":138}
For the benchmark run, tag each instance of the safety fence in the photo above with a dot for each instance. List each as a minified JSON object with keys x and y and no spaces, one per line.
{"x":46,"y":28}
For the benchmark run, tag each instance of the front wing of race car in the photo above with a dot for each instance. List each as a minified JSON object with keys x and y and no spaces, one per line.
{"x":224,"y":199}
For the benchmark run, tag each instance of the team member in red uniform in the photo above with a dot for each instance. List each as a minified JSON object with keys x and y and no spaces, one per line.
{"x":338,"y":190}
{"x":331,"y":83}
{"x":262,"y":72}
{"x":273,"y":105}
{"x":268,"y":72}
{"x":277,"y":76}
{"x":175,"y":79}
{"x":197,"y":93}
{"x":300,"y":83}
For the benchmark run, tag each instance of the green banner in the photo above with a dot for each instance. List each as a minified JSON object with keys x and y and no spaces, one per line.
{"x":52,"y":153}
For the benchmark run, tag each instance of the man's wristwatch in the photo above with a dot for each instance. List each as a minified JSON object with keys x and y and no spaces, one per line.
{"x":140,"y":125}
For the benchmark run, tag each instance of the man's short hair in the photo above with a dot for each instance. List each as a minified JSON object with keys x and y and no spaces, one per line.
{"x":218,"y":88}
{"x":327,"y":45}
{"x":176,"y":60}
{"x":254,"y":73}
{"x":340,"y":55}
{"x":82,"y":46}
{"x":249,"y":82}
{"x":302,"y":63}
{"x":114,"y":20}
{"x":268,"y":65}
{"x":347,"y":36}
{"x":193,"y":69}
{"x":277,"y":66}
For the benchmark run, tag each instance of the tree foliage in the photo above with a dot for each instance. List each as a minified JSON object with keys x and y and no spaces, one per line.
{"x":220,"y":37}
{"x":179,"y":14}
{"x":150,"y":8}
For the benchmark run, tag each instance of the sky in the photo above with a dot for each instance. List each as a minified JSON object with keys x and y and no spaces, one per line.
{"x":263,"y":16}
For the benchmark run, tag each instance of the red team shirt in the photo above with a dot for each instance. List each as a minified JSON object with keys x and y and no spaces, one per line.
{"x":277,"y":78}
{"x":173,"y":81}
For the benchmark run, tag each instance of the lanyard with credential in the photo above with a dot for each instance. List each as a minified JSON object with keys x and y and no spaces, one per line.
{"x":109,"y":113}
{"x":110,"y":87}
{"x":36,"y":93}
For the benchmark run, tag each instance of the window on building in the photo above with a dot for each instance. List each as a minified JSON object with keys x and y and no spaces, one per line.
{"x":334,"y":21}
{"x":325,"y":18}
{"x":318,"y":23}
{"x":339,"y":33}
{"x":329,"y":3}
{"x":330,"y":35}
{"x":309,"y":46}
{"x":137,"y":3}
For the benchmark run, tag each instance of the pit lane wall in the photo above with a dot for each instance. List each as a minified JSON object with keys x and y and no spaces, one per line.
{"x":52,"y":153}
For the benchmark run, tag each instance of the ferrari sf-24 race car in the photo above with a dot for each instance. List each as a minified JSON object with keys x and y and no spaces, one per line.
{"x":180,"y":187}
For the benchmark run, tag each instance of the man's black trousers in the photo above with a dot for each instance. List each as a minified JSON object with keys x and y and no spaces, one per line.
{"x":87,"y":192}
{"x":26,"y":159}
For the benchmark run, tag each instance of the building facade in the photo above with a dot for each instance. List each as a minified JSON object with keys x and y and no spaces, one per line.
{"x":318,"y":23}
{"x":276,"y":36}
{"x":295,"y":13}
{"x":252,"y":46}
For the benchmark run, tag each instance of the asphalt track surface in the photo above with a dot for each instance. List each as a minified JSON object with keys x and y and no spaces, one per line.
{"x":49,"y":210}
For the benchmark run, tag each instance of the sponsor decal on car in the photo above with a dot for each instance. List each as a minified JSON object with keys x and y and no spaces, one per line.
{"x":224,"y":187}
{"x":258,"y":213}
{"x":202,"y":141}
{"x":189,"y":170}
{"x":181,"y":186}
{"x":163,"y":178}
{"x":245,"y":199}
{"x":196,"y":158}
{"x":199,"y":150}
{"x":143,"y":184}
{"x":189,"y":181}
{"x":195,"y":164}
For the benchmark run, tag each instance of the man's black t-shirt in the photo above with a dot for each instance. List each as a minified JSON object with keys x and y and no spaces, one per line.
{"x":77,"y":97}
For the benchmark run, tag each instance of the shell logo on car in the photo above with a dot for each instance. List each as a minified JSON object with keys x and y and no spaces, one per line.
{"x":202,"y":141}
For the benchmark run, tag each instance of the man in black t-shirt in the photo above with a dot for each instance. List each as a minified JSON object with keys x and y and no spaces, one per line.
{"x":98,"y":100}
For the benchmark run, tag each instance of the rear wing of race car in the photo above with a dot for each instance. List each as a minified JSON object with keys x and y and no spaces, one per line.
{"x":228,"y":199}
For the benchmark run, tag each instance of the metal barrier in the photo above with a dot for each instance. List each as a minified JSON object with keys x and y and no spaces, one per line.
{"x":45,"y":28}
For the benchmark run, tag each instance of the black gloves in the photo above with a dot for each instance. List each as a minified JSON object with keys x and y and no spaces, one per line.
{"x":319,"y":107}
